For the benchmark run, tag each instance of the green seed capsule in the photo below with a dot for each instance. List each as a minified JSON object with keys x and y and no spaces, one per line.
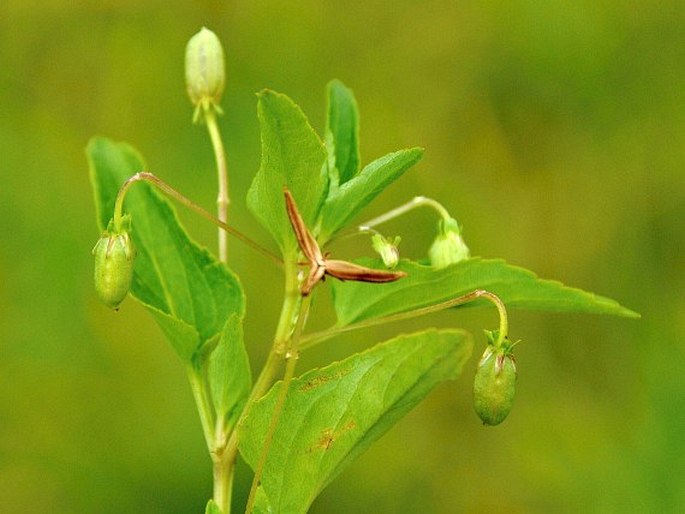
{"x":449,"y":247}
{"x":494,"y":386}
{"x":114,"y":254}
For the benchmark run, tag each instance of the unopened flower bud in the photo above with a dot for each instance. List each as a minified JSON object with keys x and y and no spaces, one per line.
{"x":387,"y":249}
{"x":114,"y":253}
{"x":448,"y":247}
{"x":494,"y":385}
{"x":205,"y":75}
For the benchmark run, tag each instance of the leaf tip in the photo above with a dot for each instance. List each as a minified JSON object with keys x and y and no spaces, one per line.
{"x":418,"y":151}
{"x":336,"y":83}
{"x":629,"y":313}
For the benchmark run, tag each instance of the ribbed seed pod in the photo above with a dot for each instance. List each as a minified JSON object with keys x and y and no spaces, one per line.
{"x":114,"y":254}
{"x":494,"y":386}
{"x":449,"y":247}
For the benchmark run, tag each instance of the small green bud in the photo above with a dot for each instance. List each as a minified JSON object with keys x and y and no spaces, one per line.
{"x":205,"y":75}
{"x":114,"y":253}
{"x":387,"y":249}
{"x":494,"y":385}
{"x":448,"y":247}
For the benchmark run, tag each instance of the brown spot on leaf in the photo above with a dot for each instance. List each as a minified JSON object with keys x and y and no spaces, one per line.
{"x":329,"y":436}
{"x":320,"y":380}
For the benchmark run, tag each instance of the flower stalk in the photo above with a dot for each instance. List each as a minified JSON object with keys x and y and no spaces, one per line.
{"x":145,"y":176}
{"x":316,"y":338}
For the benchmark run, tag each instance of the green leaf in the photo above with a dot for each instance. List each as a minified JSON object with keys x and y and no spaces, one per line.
{"x":261,"y":504}
{"x":212,"y":508}
{"x":351,"y":197}
{"x":424,"y":286}
{"x":229,"y":373}
{"x":332,"y":415}
{"x":292,"y":156}
{"x":184,"y":338}
{"x":188,"y":292}
{"x":342,"y":130}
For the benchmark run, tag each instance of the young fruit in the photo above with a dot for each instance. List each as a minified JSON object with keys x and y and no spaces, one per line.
{"x":114,"y":253}
{"x":494,"y":385}
{"x":449,"y":247}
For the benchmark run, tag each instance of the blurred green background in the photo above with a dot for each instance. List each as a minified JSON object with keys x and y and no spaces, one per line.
{"x":554,"y":131}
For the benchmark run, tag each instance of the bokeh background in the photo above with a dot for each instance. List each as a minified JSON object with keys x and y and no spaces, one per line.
{"x":554,"y":132}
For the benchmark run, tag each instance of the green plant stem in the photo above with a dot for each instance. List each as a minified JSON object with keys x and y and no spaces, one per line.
{"x":287,"y":346}
{"x":222,"y":199}
{"x":223,"y":485}
{"x":311,"y":340}
{"x":204,"y":405}
{"x":223,"y":473}
{"x":417,"y":201}
{"x":368,"y":226}
{"x":226,"y":449}
{"x":226,"y":454}
{"x":145,"y":176}
{"x":503,"y":332}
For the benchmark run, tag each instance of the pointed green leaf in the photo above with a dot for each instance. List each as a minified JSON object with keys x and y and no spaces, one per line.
{"x":423,"y":286}
{"x":292,"y":156}
{"x":184,"y":338}
{"x":342,"y":130}
{"x":332,"y":415}
{"x":351,"y":197}
{"x":229,"y":373}
{"x":187,"y":291}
